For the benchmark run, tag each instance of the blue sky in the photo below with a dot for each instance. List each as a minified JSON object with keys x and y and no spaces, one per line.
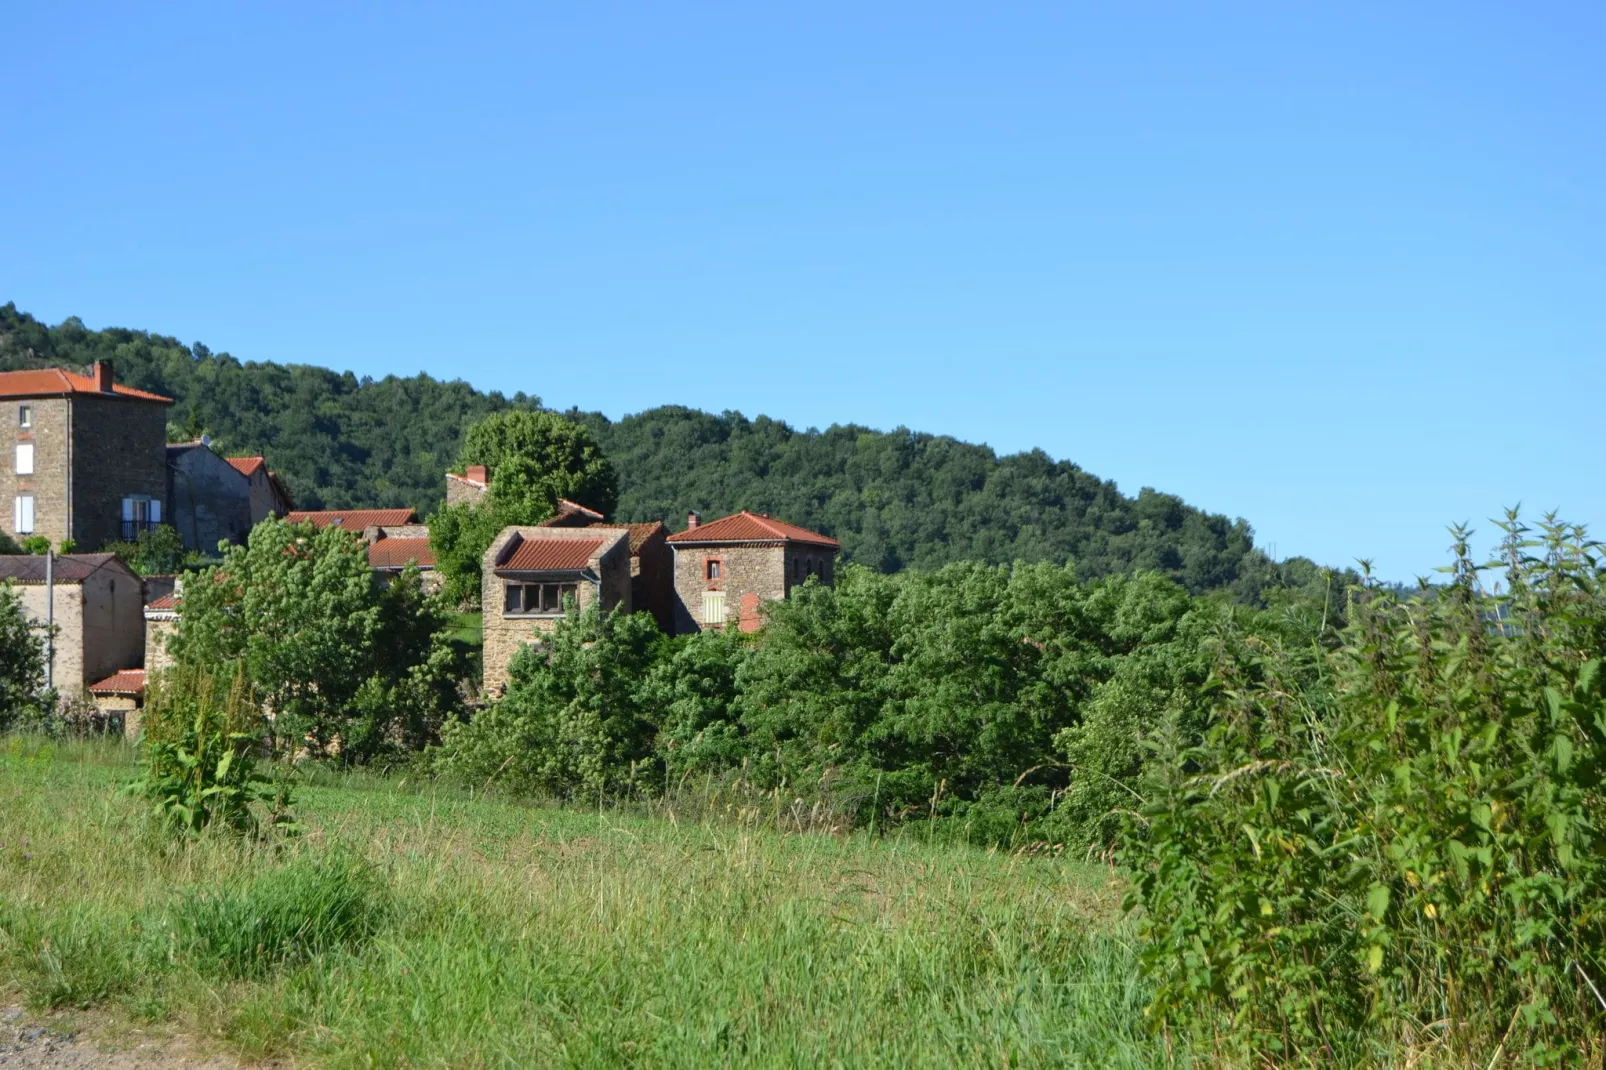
{"x":1340,"y":272}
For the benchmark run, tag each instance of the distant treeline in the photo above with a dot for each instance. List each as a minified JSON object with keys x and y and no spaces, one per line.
{"x":895,"y":499}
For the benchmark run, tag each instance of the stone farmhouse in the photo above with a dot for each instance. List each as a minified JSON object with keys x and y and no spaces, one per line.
{"x":219,"y":499}
{"x":727,"y":569}
{"x":88,"y":457}
{"x":96,"y":604}
{"x":531,"y":574}
{"x":395,"y":539}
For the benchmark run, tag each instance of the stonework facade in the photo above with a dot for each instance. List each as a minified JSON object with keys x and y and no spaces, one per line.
{"x":468,"y":488}
{"x":95,"y":455}
{"x":210,"y":498}
{"x":97,"y":614}
{"x":727,"y":569}
{"x":527,"y":574}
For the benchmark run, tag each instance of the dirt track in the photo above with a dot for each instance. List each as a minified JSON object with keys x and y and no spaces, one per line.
{"x":28,"y":1043}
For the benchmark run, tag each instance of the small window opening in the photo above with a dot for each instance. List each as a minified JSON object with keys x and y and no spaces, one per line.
{"x":25,"y":416}
{"x":716,"y":569}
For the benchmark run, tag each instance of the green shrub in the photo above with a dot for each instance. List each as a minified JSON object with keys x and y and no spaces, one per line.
{"x":1404,"y":850}
{"x":291,"y":913}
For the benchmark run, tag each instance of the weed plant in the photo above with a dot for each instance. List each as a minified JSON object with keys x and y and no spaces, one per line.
{"x":1393,"y":849}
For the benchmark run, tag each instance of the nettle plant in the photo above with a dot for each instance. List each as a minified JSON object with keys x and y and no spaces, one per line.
{"x":1393,"y":847}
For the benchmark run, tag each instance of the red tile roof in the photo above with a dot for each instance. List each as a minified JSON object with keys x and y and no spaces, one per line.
{"x":355,"y":519}
{"x":566,"y":507}
{"x":551,"y":555}
{"x":396,"y":553}
{"x":752,"y":527}
{"x":53,"y":382}
{"x":247,"y":466}
{"x":166,"y":602}
{"x":69,"y":568}
{"x":123,"y":682}
{"x":639,"y":533}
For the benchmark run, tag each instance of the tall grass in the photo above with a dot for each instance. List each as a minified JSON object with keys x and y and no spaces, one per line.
{"x":416,"y":928}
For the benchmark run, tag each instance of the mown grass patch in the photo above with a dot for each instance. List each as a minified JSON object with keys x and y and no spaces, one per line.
{"x":410,"y":927}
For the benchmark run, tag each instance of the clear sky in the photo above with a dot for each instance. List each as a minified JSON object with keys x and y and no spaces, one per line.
{"x":1341,"y":272}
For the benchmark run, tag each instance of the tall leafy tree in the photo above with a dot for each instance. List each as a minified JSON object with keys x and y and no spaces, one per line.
{"x":535,"y":458}
{"x":347,"y":665}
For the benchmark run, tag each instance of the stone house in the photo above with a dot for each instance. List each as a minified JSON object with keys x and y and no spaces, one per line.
{"x":529,"y":575}
{"x":268,"y":496}
{"x":86,"y":458}
{"x":161,"y":621}
{"x":727,"y":569}
{"x":652,"y":565}
{"x":121,"y":696}
{"x":210,"y":499}
{"x":392,"y":549}
{"x":97,"y":610}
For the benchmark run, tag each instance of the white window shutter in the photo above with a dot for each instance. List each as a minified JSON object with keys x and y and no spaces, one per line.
{"x":22,"y":514}
{"x":25,"y":458}
{"x":16,"y":515}
{"x":713,"y":607}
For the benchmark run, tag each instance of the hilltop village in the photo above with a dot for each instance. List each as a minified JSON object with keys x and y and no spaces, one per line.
{"x":91,"y":467}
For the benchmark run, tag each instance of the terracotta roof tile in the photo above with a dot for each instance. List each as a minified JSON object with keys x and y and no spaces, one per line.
{"x":752,"y":527}
{"x":396,"y":553}
{"x":168,"y":602}
{"x":639,"y":533}
{"x":247,"y":466}
{"x":53,"y":382}
{"x":551,"y":555}
{"x":123,"y":682}
{"x":355,"y":519}
{"x":70,"y":568}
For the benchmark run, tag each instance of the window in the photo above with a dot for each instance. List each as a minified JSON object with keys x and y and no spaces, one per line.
{"x":713,"y":608}
{"x":22,"y":514}
{"x":716,"y":568}
{"x":25,"y":458}
{"x":140,"y":514}
{"x":536,"y":599}
{"x":25,"y":416}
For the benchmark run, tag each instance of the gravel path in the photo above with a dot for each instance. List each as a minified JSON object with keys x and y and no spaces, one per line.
{"x":27,"y":1043}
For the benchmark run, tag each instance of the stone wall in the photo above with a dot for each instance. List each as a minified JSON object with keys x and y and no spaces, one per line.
{"x":68,"y":651}
{"x":113,"y":623}
{"x":119,"y":450}
{"x":264,"y":501}
{"x":747,"y":568}
{"x":460,"y":491}
{"x":505,"y":636}
{"x":210,"y":500}
{"x":159,"y":627}
{"x":49,"y":483}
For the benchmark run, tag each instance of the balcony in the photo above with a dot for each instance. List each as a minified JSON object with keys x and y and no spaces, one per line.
{"x":132,"y":528}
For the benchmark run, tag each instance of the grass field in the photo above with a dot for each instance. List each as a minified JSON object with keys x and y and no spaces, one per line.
{"x":410,"y":927}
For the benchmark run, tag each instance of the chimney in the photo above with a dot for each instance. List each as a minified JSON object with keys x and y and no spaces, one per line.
{"x":103,"y":376}
{"x":693,"y":518}
{"x":476,"y":473}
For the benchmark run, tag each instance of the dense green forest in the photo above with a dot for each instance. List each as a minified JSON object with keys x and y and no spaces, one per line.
{"x":895,"y":499}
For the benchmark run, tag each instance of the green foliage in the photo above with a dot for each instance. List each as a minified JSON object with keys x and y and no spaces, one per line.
{"x":546,"y":457}
{"x":8,"y":545}
{"x":36,"y":545}
{"x":350,"y":667}
{"x":896,"y":500}
{"x":534,"y":459}
{"x":284,"y":916}
{"x":22,"y":664}
{"x":576,"y":720}
{"x":998,"y":704}
{"x":1397,"y":842}
{"x":158,"y":551}
{"x":200,"y":745}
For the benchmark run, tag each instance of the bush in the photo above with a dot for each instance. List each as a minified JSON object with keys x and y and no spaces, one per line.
{"x":1405,"y":851}
{"x":22,"y":665}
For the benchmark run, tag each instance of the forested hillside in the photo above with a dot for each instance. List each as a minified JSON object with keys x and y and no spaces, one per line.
{"x":896,"y":499}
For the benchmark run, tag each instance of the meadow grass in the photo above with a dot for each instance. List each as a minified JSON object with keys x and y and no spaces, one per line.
{"x":411,"y":926}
